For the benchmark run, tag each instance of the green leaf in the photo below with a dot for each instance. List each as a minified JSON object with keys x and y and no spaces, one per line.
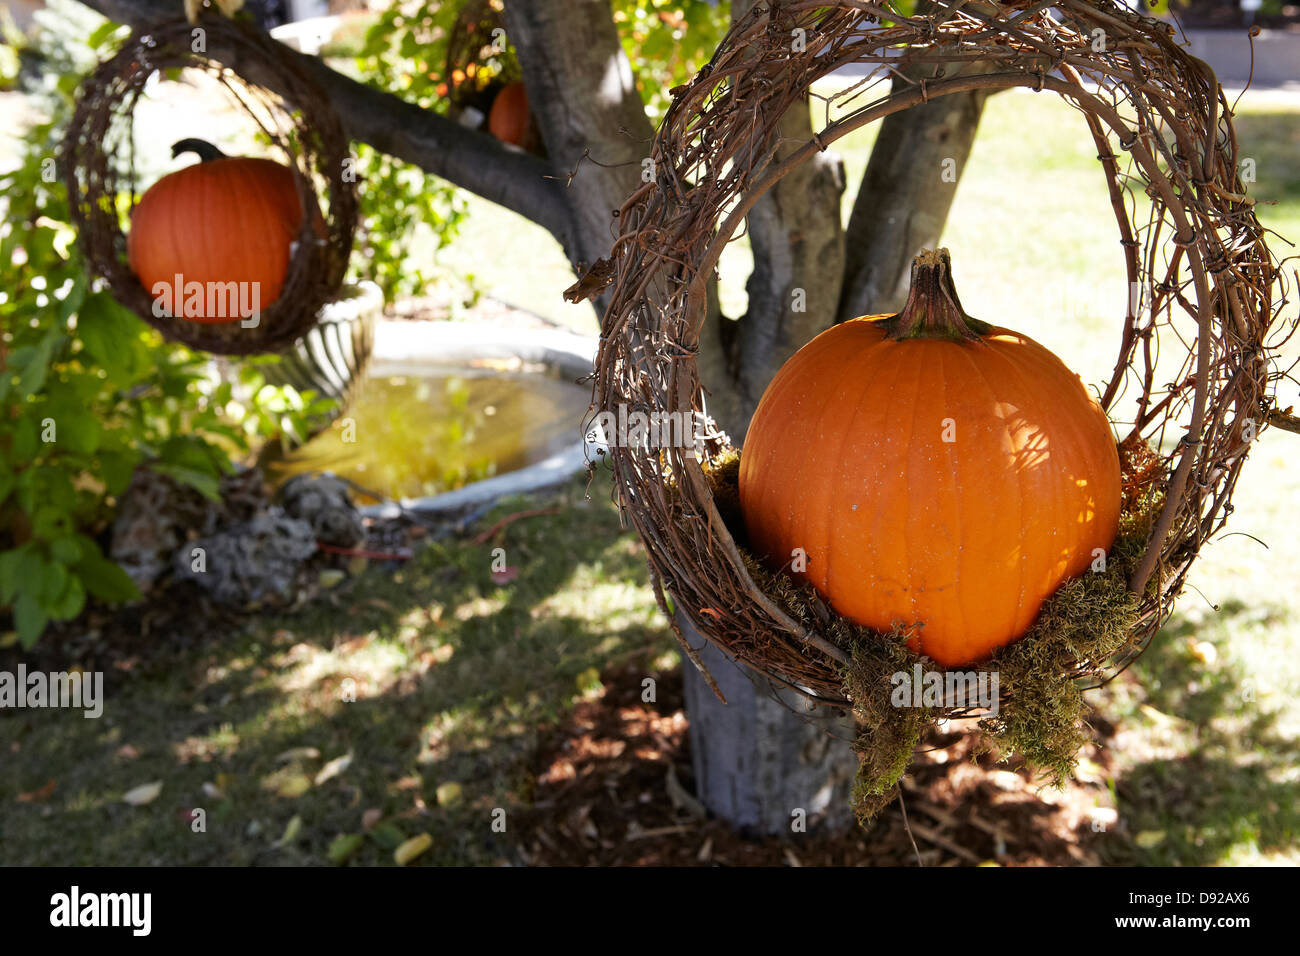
{"x":29,"y":619}
{"x":102,"y":34}
{"x":205,"y":484}
{"x":52,"y":584}
{"x":70,"y":601}
{"x":104,"y":579}
{"x":71,"y":302}
{"x":66,"y":550}
{"x":116,"y":468}
{"x":77,"y":432}
{"x":10,"y":562}
{"x":24,"y":440}
{"x":343,"y":847}
{"x":387,"y":835}
{"x":36,"y":364}
{"x":106,"y":331}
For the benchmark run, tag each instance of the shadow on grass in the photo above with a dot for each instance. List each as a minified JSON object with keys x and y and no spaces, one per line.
{"x":1233,"y":784}
{"x":453,"y":676}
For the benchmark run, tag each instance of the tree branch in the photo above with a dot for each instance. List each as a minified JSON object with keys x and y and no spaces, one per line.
{"x":467,"y":158}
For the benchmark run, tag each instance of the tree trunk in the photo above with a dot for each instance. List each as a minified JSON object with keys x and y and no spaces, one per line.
{"x":767,"y":762}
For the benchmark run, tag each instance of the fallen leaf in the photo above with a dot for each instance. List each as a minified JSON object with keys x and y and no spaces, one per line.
{"x":287,"y":783}
{"x":370,"y":819}
{"x":298,"y":753}
{"x":127,"y":752}
{"x":145,"y":793}
{"x":38,"y":796}
{"x":505,"y":575}
{"x":291,"y":831}
{"x":331,"y":577}
{"x":295,"y":785}
{"x":412,"y":848}
{"x":333,"y":768}
{"x":387,"y":835}
{"x":448,"y":793}
{"x":343,"y":847}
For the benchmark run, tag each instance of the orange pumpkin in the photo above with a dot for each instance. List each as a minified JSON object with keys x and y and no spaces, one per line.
{"x":225,"y":219}
{"x":508,"y":120}
{"x":937,"y":472}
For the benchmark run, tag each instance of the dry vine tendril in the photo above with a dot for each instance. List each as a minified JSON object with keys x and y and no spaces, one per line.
{"x":1163,"y":131}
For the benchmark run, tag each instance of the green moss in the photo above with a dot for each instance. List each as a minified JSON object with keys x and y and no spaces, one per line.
{"x":1042,"y":715}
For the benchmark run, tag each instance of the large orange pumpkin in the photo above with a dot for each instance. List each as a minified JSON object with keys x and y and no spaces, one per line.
{"x":937,"y":472}
{"x":508,"y":120}
{"x":225,"y":219}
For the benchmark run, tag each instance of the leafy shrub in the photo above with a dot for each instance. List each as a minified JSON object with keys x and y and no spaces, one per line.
{"x":88,"y":392}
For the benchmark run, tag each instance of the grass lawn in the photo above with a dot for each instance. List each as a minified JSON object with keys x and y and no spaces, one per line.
{"x":455,"y":674}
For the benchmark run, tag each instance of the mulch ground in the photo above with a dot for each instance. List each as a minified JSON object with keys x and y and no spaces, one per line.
{"x":609,"y":782}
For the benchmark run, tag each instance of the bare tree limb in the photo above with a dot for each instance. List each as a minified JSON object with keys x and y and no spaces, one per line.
{"x":470,"y":159}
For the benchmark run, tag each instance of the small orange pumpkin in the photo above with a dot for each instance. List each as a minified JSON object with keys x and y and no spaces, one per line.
{"x":225,"y":219}
{"x":937,"y":472}
{"x":509,"y":119}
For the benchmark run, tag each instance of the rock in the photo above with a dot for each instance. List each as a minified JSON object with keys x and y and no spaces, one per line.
{"x":325,"y":503}
{"x":257,"y":561}
{"x":155,"y":515}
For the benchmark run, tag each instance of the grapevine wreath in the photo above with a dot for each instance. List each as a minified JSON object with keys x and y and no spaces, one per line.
{"x":308,"y":207}
{"x":1163,"y":129}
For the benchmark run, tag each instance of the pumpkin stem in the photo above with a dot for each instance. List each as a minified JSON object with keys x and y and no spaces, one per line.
{"x":205,"y":150}
{"x":932,"y":310}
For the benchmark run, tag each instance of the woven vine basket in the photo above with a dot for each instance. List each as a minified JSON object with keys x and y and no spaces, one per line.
{"x":301,"y":128}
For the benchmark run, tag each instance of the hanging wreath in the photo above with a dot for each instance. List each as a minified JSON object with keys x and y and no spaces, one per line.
{"x":1213,"y":295}
{"x":259,"y":244}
